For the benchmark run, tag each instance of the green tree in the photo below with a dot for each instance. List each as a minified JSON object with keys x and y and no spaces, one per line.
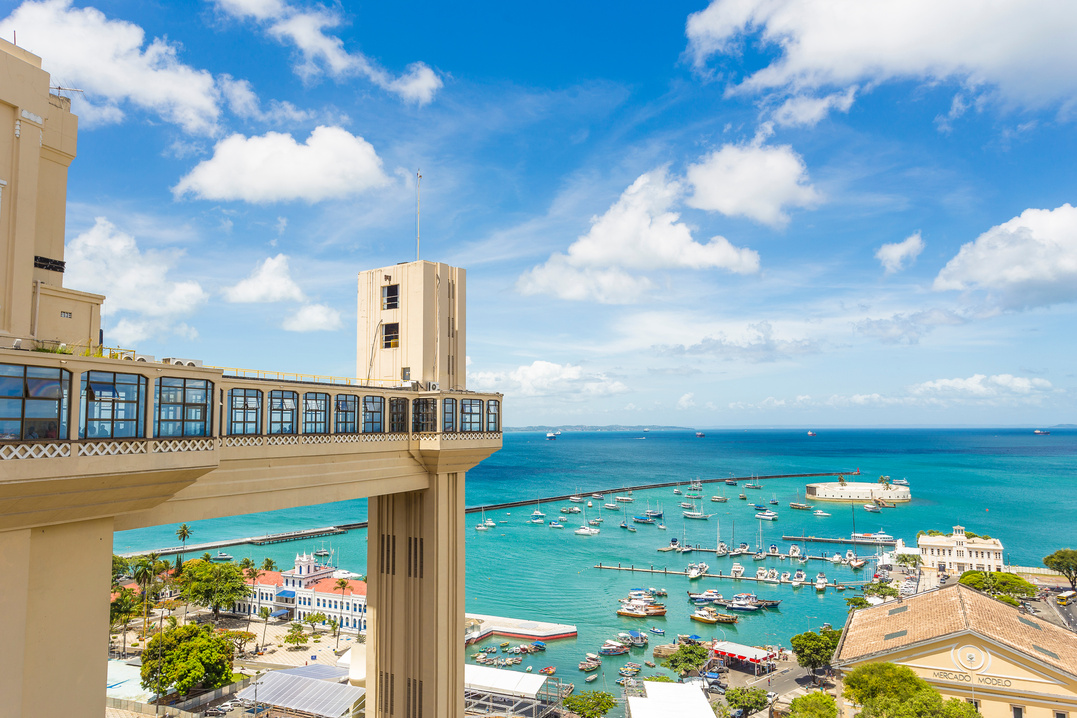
{"x":925,"y":703}
{"x":750,"y":699}
{"x":998,"y":583}
{"x":239,"y":639}
{"x":688,"y":657}
{"x":214,"y":585}
{"x":296,"y":636}
{"x":145,"y":574}
{"x":909,"y":560}
{"x":182,"y":533}
{"x":882,"y":590}
{"x":813,"y":651}
{"x":253,"y":573}
{"x":856,"y":602}
{"x":264,"y":614}
{"x":1064,"y":561}
{"x":184,"y":657}
{"x":207,"y":557}
{"x":313,"y":619}
{"x":814,"y":705}
{"x":269,"y":565}
{"x":246,"y":562}
{"x":885,"y":481}
{"x":590,"y":704}
{"x":122,"y":609}
{"x":120,"y":567}
{"x":342,"y":585}
{"x":872,"y":680}
{"x":660,"y":679}
{"x":334,"y":628}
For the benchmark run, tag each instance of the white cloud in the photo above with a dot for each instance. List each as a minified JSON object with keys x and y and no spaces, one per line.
{"x":894,"y":256}
{"x":137,"y":286}
{"x":543,"y":378}
{"x":908,"y":328}
{"x":639,"y":232}
{"x":331,"y":164}
{"x":1023,"y":53}
{"x":112,"y":62}
{"x":269,"y":282}
{"x":755,"y":343}
{"x":313,"y":318}
{"x":687,"y":401}
{"x":807,"y":111}
{"x":752,"y":180}
{"x":306,"y":30}
{"x":981,"y":386}
{"x":244,"y":103}
{"x":1030,"y":260}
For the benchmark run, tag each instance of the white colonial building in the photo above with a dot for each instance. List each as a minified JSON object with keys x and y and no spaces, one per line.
{"x":957,"y":552}
{"x":308,"y":587}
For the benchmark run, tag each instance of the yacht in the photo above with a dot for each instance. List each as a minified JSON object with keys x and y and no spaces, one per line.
{"x":485,"y":524}
{"x":785,"y":577}
{"x":872,"y":508}
{"x":571,"y":509}
{"x":586,"y":531}
{"x":760,"y":573}
{"x":820,"y":582}
{"x":556,"y":525}
{"x":900,"y":482}
{"x":595,"y":522}
{"x":741,"y":602}
{"x":576,"y":499}
{"x":550,"y":436}
{"x":767,"y":515}
{"x":537,"y":514}
{"x":537,"y":520}
{"x":850,"y":556}
{"x":723,"y":550}
{"x":611,"y":507}
{"x":794,"y":551}
{"x":661,"y":527}
{"x":857,"y":563}
{"x":624,"y":499}
{"x":696,"y":515}
{"x":687,"y":505}
{"x":677,"y":491}
{"x":772,"y":576}
{"x":773,"y":550}
{"x":836,"y":558}
{"x":222,"y":556}
{"x":736,"y":571}
{"x":819,"y":512}
{"x":696,"y":485}
{"x":759,"y":555}
{"x":600,"y":497}
{"x":719,"y":499}
{"x":643,"y":519}
{"x":799,"y":575}
{"x":696,"y":570}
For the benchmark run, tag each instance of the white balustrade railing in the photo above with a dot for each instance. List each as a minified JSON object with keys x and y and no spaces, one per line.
{"x":38,"y":450}
{"x":169,"y":446}
{"x":112,"y":448}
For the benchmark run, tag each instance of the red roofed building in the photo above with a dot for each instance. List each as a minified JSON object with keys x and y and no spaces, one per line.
{"x":308,"y":587}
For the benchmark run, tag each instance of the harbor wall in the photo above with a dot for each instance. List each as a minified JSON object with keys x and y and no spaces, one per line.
{"x":857,"y":491}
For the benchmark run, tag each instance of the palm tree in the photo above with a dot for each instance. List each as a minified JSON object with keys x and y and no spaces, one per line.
{"x":207,"y":556}
{"x":342,"y":585}
{"x":253,"y":574}
{"x":264,"y":614}
{"x":246,"y":563}
{"x":182,"y":533}
{"x":269,"y":565}
{"x":145,"y":576}
{"x":122,"y":609}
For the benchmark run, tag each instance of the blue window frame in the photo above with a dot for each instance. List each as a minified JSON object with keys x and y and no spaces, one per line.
{"x":182,"y":407}
{"x":347,"y":414}
{"x":245,"y":411}
{"x":373,"y":414}
{"x":283,"y":412}
{"x":493,"y":415}
{"x":448,"y":415}
{"x":33,"y":402}
{"x":112,"y":405}
{"x":315,"y":413}
{"x":471,"y":415}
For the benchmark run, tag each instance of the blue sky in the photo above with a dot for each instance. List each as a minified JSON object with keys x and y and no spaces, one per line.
{"x":752,"y":212}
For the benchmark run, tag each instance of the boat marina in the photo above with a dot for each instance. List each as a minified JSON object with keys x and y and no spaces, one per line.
{"x":663,"y":571}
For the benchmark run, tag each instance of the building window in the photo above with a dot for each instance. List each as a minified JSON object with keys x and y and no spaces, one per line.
{"x":245,"y":411}
{"x":390,"y":335}
{"x":493,"y":415}
{"x":373,"y":414}
{"x":448,"y":415}
{"x":424,"y":415}
{"x":33,"y":402}
{"x":1058,"y":714}
{"x":390,"y":296}
{"x":471,"y":415}
{"x":315,"y":413}
{"x":398,"y":416}
{"x":1018,"y":711}
{"x":282,"y":412}
{"x":182,"y":407}
{"x":347,"y":417}
{"x":112,"y":405}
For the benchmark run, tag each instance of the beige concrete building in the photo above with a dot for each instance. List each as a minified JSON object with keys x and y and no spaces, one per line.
{"x":958,"y":553}
{"x":94,"y":440}
{"x":970,"y":647}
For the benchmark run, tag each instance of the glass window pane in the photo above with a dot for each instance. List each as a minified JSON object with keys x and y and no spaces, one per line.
{"x":9,"y":429}
{"x":42,"y":408}
{"x":12,"y":385}
{"x":12,"y":370}
{"x":11,"y":408}
{"x":39,"y":372}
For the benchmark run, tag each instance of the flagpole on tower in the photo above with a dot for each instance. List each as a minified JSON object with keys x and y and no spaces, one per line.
{"x":418,"y":207}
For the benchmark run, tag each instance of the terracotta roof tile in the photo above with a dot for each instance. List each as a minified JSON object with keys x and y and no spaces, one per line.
{"x":893,"y":625}
{"x":329,"y":585}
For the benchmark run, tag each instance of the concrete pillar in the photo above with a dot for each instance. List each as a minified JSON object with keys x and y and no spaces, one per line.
{"x":415,"y":602}
{"x":49,"y":631}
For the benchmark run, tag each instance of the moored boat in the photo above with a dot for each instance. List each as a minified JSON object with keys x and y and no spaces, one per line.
{"x":819,"y":512}
{"x":872,"y":508}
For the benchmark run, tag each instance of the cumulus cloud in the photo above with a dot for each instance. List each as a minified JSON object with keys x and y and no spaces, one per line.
{"x":322,"y":52}
{"x":896,"y":256}
{"x":113,"y":63}
{"x":271,"y":281}
{"x":908,"y":328}
{"x":331,"y":164}
{"x":756,"y":343}
{"x":981,"y":386}
{"x":752,"y":180}
{"x":313,"y":318}
{"x":687,"y":401}
{"x":543,"y":378}
{"x":1031,"y":260}
{"x":141,"y":297}
{"x":807,"y":110}
{"x":639,"y":232}
{"x":1021,"y":53}
{"x":244,"y":103}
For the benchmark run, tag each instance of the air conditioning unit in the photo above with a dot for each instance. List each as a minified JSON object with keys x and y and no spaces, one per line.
{"x":127,"y":356}
{"x":176,"y":361}
{"x":433,"y":386}
{"x":144,"y":358}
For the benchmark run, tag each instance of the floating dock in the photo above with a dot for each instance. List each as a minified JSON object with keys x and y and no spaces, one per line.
{"x":481,"y":627}
{"x":195,"y":548}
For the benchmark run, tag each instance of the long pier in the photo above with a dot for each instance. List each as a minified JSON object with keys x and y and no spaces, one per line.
{"x":666,"y":572}
{"x":861,"y":542}
{"x":344,"y":528}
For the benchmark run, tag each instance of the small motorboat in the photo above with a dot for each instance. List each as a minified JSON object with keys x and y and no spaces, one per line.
{"x":553,"y":525}
{"x":872,"y":508}
{"x":767,"y":515}
{"x":548,"y":671}
{"x":222,"y":556}
{"x":658,"y":631}
{"x":590,"y":679}
{"x":661,"y":527}
{"x":900,"y":482}
{"x":819,"y":512}
{"x":528,"y":669}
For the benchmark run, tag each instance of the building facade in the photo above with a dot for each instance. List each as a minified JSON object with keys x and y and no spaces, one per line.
{"x":957,"y":553}
{"x":970,"y":647}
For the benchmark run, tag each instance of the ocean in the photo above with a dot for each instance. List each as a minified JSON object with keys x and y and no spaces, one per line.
{"x":1007,"y":483}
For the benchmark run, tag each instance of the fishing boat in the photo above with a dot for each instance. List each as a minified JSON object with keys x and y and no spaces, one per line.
{"x":708,"y":596}
{"x":799,"y":506}
{"x":686,"y":505}
{"x":730,"y":482}
{"x":700,"y":434}
{"x":538,"y":646}
{"x":600,"y":497}
{"x":649,"y":664}
{"x":222,"y":556}
{"x":767,"y":515}
{"x":872,"y":508}
{"x":900,"y":482}
{"x":820,"y":582}
{"x":758,"y":507}
{"x":696,"y":514}
{"x":773,"y":502}
{"x":736,"y":570}
{"x":704,"y":616}
{"x":654,"y":513}
{"x":613,"y":648}
{"x":658,"y":631}
{"x":743,"y":497}
{"x":677,"y":490}
{"x":742,"y":603}
{"x":638,"y":638}
{"x":588,"y":666}
{"x":819,"y":512}
{"x":658,"y":591}
{"x":753,"y":485}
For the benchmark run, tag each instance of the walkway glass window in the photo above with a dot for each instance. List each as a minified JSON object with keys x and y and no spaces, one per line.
{"x":315,"y":413}
{"x":33,"y":402}
{"x":245,"y":411}
{"x":448,"y":415}
{"x":347,"y":415}
{"x":112,"y":405}
{"x":373,"y":414}
{"x":182,"y":407}
{"x":493,"y":415}
{"x":398,"y":415}
{"x":283,"y":412}
{"x":424,"y":413}
{"x":471,"y":415}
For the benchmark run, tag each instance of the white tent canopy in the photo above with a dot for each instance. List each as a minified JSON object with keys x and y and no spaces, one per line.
{"x":509,"y":683}
{"x":744,"y":653}
{"x":670,"y":700}
{"x":308,"y":695}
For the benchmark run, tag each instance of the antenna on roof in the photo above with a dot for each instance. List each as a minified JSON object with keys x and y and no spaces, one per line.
{"x":66,"y":89}
{"x":418,"y":207}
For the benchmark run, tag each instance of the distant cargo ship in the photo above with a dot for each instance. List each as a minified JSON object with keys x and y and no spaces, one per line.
{"x":1041,"y":432}
{"x":811,"y":433}
{"x":700,"y":434}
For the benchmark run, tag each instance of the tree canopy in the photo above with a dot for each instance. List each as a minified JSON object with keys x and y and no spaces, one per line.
{"x":886,"y":690}
{"x":813,"y":650}
{"x":1064,"y":561}
{"x":882,"y":590}
{"x":998,"y":583}
{"x":182,"y":658}
{"x":214,"y":585}
{"x":688,"y":657}
{"x":295,"y":635}
{"x":590,"y":704}
{"x":856,"y":602}
{"x":814,"y":705}
{"x":750,"y":699}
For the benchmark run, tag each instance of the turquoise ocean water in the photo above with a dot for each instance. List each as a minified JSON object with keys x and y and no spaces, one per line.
{"x":1010,"y":484}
